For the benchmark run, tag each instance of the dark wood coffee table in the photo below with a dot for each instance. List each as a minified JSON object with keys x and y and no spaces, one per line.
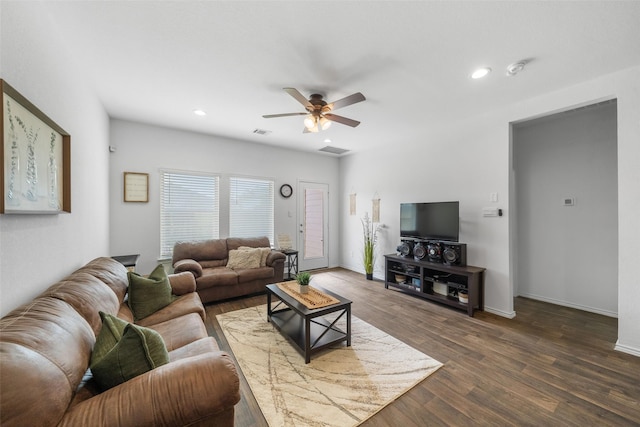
{"x":305,"y":327}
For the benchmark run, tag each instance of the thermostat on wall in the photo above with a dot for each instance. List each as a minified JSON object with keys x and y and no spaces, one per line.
{"x":568,"y":201}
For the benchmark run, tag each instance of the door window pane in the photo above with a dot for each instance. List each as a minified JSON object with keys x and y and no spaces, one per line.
{"x":313,"y":223}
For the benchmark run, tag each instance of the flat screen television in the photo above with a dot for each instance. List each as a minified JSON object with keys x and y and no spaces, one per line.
{"x":430,"y":221}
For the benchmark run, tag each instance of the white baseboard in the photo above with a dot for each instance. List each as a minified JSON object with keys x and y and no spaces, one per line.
{"x":626,"y":349}
{"x":507,"y":314}
{"x":571,"y":305}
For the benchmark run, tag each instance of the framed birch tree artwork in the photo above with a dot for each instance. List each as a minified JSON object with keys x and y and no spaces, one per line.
{"x":35,"y":159}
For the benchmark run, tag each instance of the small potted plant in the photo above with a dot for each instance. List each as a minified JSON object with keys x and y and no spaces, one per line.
{"x":303,"y":279}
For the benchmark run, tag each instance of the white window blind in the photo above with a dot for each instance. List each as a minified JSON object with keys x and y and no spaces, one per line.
{"x":189,"y":208}
{"x":250,"y":208}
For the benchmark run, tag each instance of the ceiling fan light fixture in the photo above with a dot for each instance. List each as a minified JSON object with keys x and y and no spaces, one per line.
{"x":316,"y":108}
{"x":310,"y":122}
{"x":325,"y":123}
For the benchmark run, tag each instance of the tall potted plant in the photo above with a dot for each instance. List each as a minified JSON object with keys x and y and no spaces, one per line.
{"x":370,"y":234}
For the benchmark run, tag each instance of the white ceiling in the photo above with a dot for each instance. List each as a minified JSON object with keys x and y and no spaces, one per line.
{"x":157,"y":61}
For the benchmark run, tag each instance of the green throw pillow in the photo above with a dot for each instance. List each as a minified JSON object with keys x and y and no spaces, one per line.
{"x":139,"y":350}
{"x":109,"y":335}
{"x":149,"y":294}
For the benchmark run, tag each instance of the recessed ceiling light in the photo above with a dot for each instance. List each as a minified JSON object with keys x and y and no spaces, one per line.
{"x":199,"y":112}
{"x":480,"y":73}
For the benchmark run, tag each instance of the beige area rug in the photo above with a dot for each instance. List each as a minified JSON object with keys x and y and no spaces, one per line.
{"x":342,"y":386}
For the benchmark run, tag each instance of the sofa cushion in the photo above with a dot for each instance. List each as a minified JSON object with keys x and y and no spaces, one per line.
{"x":87,"y":294}
{"x":250,"y":274}
{"x":139,"y":350}
{"x":111,"y":273}
{"x":125,"y":313}
{"x":202,"y":250}
{"x":249,"y":258}
{"x":182,"y":305}
{"x":213,"y":263}
{"x":179,"y":332}
{"x":219,"y":276}
{"x":196,"y":348}
{"x":148,"y":295}
{"x":253,"y":242}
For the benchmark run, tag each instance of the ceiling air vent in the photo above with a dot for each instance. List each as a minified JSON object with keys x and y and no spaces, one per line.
{"x":261,"y":131}
{"x":333,"y":150}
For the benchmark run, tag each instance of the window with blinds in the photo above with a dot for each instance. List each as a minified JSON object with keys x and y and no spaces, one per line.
{"x":251,"y":208}
{"x":189,"y":208}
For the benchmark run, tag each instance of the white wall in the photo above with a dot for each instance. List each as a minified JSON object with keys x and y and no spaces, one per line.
{"x":37,"y":250}
{"x":625,"y":87}
{"x":144,"y":148}
{"x":462,"y":162}
{"x":468,"y":159}
{"x":568,"y":255}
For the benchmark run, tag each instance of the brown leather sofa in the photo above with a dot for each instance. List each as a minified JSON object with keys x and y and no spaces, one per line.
{"x":207,"y":260}
{"x":46,"y":345}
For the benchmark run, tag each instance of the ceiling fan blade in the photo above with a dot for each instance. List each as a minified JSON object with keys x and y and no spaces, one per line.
{"x":351,"y":99}
{"x":271,"y":116}
{"x":343,"y":120}
{"x":299,"y":97}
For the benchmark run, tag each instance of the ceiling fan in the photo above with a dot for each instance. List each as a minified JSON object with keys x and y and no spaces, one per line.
{"x":319,"y":112}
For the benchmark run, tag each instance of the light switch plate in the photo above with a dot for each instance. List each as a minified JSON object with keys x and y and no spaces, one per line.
{"x":490,"y":212}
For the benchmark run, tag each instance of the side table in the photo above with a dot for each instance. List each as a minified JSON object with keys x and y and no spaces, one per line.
{"x":128,"y":261}
{"x":291,"y":263}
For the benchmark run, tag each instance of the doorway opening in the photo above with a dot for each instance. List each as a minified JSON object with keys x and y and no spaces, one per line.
{"x":563,"y":199}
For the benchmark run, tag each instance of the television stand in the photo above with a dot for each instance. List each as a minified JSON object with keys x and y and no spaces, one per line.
{"x":437,"y":282}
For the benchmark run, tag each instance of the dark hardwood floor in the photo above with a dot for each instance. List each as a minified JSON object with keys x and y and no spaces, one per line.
{"x":549,"y":366}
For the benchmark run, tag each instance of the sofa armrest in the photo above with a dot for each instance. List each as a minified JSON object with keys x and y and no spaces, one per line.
{"x":176,"y":394}
{"x":182,"y":283}
{"x":275,"y":257}
{"x":188,"y":265}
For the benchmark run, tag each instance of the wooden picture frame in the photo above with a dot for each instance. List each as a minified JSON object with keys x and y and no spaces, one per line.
{"x":35,"y":159}
{"x":136,"y":187}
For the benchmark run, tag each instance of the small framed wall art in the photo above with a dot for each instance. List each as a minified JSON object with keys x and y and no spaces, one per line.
{"x":35,"y":160}
{"x":136,"y":187}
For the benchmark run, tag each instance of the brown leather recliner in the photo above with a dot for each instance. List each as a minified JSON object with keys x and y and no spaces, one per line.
{"x":46,"y":345}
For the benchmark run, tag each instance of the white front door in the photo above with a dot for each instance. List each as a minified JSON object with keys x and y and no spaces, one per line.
{"x":313,"y":212}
